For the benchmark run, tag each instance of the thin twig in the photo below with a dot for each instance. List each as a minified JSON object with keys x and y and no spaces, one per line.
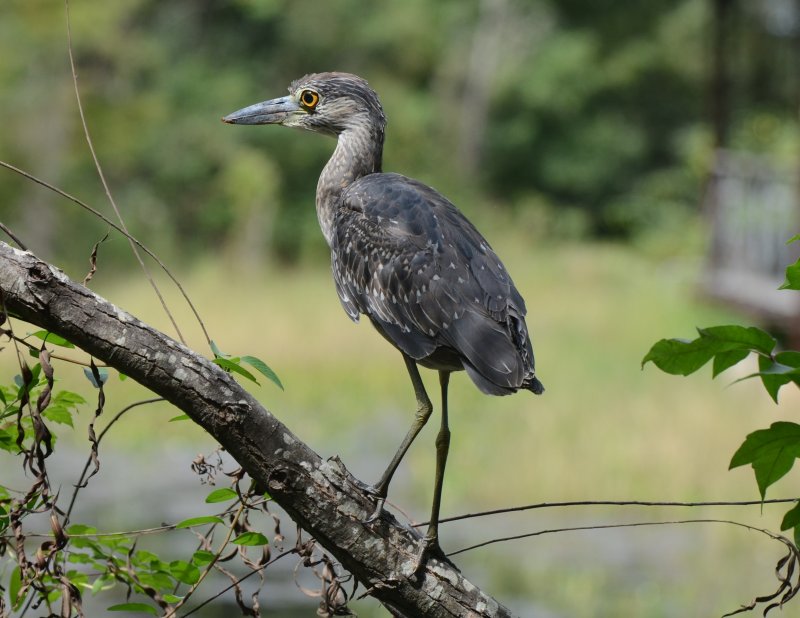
{"x":66,"y":359}
{"x":543,"y":505}
{"x":116,"y":227}
{"x":99,"y":169}
{"x":140,"y":532}
{"x":210,"y":566}
{"x":637,"y":524}
{"x":239,"y":581}
{"x":12,"y":236}
{"x":80,"y":484}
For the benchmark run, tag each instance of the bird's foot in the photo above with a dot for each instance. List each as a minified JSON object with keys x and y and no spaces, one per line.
{"x":375,"y":494}
{"x":430,"y":550}
{"x":377,"y":512}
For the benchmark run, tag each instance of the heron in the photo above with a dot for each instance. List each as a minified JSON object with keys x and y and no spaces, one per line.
{"x":404,"y":256}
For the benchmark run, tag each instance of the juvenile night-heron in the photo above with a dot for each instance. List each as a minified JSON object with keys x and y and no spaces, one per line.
{"x":407,"y":258}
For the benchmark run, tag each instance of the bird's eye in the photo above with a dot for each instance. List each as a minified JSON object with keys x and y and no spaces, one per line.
{"x":309,"y":99}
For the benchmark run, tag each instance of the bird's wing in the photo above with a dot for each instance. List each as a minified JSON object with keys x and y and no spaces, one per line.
{"x":405,"y":256}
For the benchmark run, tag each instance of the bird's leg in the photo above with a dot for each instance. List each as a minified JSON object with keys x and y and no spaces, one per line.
{"x":431,"y":542}
{"x":424,"y":410}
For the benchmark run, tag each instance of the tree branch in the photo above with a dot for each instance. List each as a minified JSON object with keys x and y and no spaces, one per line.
{"x":321,"y":496}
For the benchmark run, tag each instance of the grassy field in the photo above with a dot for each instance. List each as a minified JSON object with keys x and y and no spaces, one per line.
{"x":605,"y":428}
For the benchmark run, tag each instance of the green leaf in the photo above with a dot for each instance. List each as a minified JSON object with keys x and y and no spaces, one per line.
{"x":682,"y":357}
{"x":115,"y":541}
{"x":144,"y":557}
{"x":160,"y":580}
{"x":141,"y":608}
{"x":8,"y":440}
{"x":76,"y":577}
{"x":792,"y":518}
{"x":726,"y":360}
{"x":68,"y":398}
{"x":59,"y":414}
{"x":782,"y":371}
{"x":80,"y":529}
{"x":792,"y":277}
{"x":678,"y":356}
{"x":250,"y":538}
{"x":180,"y":417}
{"x":52,"y":338}
{"x":199,"y":521}
{"x":733,"y":337}
{"x":217,"y":352}
{"x":202,"y":557}
{"x":771,"y":452}
{"x":14,"y":587}
{"x":172,"y":598}
{"x":184,"y":571}
{"x":105,"y":582}
{"x":232,"y":366}
{"x":264,"y":369}
{"x":221,"y":495}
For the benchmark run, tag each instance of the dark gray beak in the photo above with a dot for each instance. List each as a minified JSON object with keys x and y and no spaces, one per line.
{"x":275,"y":111}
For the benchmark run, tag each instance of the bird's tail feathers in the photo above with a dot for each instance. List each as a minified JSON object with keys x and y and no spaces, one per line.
{"x":535,"y":386}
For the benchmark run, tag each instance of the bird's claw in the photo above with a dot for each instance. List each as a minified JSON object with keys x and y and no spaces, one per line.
{"x":430,"y":549}
{"x":377,"y":512}
{"x":375,"y":494}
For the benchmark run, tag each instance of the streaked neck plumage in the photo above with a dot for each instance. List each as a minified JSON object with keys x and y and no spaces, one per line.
{"x":359,"y":152}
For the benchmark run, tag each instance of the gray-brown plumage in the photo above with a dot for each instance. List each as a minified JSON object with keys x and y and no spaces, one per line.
{"x":405,"y":257}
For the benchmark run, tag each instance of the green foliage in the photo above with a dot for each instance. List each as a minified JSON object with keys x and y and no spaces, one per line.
{"x":770,"y":452}
{"x":198,"y":521}
{"x":727,"y":345}
{"x":233,"y":364}
{"x":250,"y":539}
{"x":221,"y":495}
{"x":137,"y":608}
{"x":575,"y":110}
{"x":80,"y":558}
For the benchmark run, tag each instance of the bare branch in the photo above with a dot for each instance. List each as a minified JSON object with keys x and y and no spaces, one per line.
{"x":321,"y":496}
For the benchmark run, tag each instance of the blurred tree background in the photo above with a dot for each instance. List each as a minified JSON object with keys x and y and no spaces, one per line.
{"x":569,"y":118}
{"x":578,"y":135}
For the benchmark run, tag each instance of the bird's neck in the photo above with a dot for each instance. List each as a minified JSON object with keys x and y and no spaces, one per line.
{"x":359,"y":152}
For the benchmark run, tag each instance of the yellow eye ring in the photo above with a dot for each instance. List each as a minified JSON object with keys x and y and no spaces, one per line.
{"x":309,"y":99}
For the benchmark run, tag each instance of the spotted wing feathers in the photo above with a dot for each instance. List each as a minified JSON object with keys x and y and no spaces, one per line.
{"x":407,"y":258}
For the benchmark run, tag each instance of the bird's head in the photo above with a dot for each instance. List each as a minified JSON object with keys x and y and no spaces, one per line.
{"x":329,"y":103}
